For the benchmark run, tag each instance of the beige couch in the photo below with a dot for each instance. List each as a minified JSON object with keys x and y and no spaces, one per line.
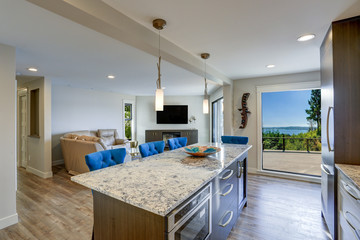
{"x":76,"y":145}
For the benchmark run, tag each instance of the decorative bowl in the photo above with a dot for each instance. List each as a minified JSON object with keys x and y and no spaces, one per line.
{"x":201,"y":151}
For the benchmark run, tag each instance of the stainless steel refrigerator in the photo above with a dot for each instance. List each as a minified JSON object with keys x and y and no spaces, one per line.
{"x":340,"y":112}
{"x":328,"y":182}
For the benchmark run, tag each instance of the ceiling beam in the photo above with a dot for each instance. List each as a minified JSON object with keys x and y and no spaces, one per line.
{"x":104,"y":19}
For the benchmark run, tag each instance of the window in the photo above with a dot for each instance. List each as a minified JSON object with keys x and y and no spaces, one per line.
{"x":128,"y":120}
{"x":217,"y":120}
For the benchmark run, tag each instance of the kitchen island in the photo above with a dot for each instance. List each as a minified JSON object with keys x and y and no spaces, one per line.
{"x":136,"y":200}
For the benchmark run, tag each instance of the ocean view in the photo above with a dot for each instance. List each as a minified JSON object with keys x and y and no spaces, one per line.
{"x":286,"y":130}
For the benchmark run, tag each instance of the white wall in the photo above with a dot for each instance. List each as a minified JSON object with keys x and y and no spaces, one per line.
{"x":75,"y":109}
{"x":249,"y":85}
{"x":8,"y":215}
{"x":39,"y":148}
{"x":146,"y":116}
{"x":228,"y":92}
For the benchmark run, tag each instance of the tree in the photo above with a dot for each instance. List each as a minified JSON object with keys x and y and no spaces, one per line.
{"x":315,"y":109}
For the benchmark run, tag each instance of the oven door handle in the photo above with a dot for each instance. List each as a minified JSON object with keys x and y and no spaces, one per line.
{"x":228,"y":221}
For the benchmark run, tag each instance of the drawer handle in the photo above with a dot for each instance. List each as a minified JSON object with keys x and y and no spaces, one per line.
{"x":350,"y":191}
{"x":229,"y":191}
{"x":352,"y":225}
{"x":228,"y":221}
{"x":231,"y":172}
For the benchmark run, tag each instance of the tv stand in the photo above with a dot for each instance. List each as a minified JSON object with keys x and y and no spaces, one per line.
{"x":164,"y":134}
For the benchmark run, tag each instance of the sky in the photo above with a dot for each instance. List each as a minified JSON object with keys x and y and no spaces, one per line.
{"x":284,"y":109}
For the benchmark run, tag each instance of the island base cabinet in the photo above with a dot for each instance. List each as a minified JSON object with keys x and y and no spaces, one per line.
{"x":114,"y":220}
{"x":229,"y":198}
{"x":222,"y":224}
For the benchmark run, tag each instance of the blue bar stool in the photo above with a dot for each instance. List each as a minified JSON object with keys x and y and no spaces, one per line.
{"x":234,"y":139}
{"x":151,"y":148}
{"x":175,"y":143}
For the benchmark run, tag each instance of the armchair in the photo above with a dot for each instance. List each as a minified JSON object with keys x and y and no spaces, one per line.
{"x":111,"y":138}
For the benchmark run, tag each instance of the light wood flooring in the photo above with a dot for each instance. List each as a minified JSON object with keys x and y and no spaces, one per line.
{"x":60,"y":209}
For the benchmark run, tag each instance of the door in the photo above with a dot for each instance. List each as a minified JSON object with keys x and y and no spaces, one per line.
{"x":22,"y":121}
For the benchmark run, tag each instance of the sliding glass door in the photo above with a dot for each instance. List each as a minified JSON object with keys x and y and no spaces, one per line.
{"x":217,"y":120}
{"x":291,"y":136}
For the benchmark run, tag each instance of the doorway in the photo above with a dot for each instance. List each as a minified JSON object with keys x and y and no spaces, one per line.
{"x":129,"y":119}
{"x":217,"y":120}
{"x":22,"y":128}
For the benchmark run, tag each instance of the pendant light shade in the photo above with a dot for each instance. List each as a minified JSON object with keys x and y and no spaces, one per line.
{"x":206,"y":96}
{"x":159,"y":24}
{"x":206,"y":106}
{"x":159,"y":100}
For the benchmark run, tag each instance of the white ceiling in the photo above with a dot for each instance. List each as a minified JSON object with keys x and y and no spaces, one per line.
{"x":70,"y":54}
{"x":242,"y":36}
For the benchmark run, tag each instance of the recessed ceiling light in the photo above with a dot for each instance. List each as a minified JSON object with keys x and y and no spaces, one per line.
{"x":270,"y":66}
{"x":110,"y":76}
{"x":306,"y":37}
{"x":32,"y":69}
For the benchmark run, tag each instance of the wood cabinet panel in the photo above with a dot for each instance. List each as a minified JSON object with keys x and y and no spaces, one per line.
{"x":346,"y":62}
{"x":114,"y":219}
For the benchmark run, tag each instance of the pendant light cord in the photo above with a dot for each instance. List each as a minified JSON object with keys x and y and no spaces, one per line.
{"x":158,"y":82}
{"x":205,"y":92}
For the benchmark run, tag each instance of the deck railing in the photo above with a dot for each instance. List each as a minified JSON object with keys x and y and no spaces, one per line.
{"x":279,"y":143}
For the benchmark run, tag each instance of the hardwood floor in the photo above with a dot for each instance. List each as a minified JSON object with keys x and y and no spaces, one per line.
{"x":51,"y":208}
{"x":281,"y":209}
{"x":60,"y":209}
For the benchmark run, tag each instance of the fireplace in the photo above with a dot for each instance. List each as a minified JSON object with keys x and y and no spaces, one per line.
{"x":165,"y":134}
{"x":168,"y":135}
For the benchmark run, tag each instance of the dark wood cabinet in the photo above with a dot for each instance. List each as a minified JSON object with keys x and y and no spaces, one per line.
{"x":340,"y":112}
{"x":158,"y":135}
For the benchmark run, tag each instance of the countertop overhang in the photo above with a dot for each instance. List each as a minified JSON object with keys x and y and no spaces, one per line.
{"x":161,"y":182}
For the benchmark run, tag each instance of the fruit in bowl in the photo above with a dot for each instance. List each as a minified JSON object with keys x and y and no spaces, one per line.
{"x":201,"y":151}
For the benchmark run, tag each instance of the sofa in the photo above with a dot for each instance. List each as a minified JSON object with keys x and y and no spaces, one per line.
{"x":75,"y":145}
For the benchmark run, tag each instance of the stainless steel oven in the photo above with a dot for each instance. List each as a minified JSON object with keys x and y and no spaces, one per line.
{"x":192,"y":220}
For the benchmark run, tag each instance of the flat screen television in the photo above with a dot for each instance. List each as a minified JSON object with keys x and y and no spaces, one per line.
{"x":173,"y":114}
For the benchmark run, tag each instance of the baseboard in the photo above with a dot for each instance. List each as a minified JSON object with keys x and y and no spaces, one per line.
{"x":39,"y":173}
{"x":58,"y":162}
{"x":8,"y":221}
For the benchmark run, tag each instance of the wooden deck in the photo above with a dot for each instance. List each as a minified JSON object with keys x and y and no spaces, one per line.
{"x":58,"y":209}
{"x":293,"y":161}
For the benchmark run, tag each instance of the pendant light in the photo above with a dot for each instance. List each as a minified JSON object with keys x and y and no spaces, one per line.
{"x":206,"y":96}
{"x":159,"y":24}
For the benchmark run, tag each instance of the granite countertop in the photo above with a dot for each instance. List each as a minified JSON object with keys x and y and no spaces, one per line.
{"x":351,"y":171}
{"x":161,"y":182}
